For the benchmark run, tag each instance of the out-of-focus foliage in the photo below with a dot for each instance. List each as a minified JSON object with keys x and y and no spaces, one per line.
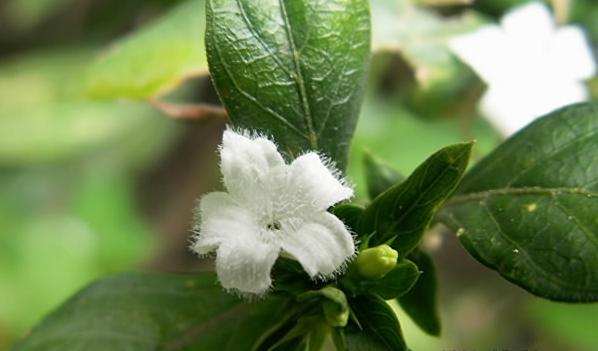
{"x":429,"y":79}
{"x":44,"y":116}
{"x":420,"y":36}
{"x":569,"y":324}
{"x":67,"y":206}
{"x":27,"y":14}
{"x":583,"y":12}
{"x":58,"y":233}
{"x":154,"y":60}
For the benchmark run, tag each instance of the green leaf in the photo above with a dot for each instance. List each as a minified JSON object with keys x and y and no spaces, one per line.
{"x":155,"y":59}
{"x":296,"y":344}
{"x":402,"y":213}
{"x":380,"y":176}
{"x":292,"y":69}
{"x":394,"y":284}
{"x":290,"y":277}
{"x":420,"y":302}
{"x":363,"y":342}
{"x":306,"y":333}
{"x":318,"y":337}
{"x":379,"y":321}
{"x":528,"y":210}
{"x":348,"y":213}
{"x":279,"y":331}
{"x":338,"y":339}
{"x":152,"y":312}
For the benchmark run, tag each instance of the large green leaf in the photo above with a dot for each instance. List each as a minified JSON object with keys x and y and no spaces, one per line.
{"x":402,"y":213}
{"x":529,"y":209}
{"x":379,"y":322}
{"x":379,"y":175}
{"x":155,"y":59}
{"x":293,"y":69}
{"x":153,"y":312}
{"x":420,"y":302}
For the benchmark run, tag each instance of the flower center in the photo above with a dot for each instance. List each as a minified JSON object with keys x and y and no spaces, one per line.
{"x":274,"y":225}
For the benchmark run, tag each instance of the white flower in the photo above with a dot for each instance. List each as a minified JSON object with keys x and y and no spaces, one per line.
{"x":531,"y":67}
{"x":271,"y":207}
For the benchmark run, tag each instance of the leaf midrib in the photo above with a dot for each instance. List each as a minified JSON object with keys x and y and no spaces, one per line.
{"x":497,"y":160}
{"x":481,"y":195}
{"x":425,"y":192}
{"x":553,"y":280}
{"x":301,"y":90}
{"x":248,"y":96}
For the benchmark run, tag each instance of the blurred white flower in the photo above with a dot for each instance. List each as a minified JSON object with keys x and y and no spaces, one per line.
{"x":271,"y":207}
{"x":531,"y":67}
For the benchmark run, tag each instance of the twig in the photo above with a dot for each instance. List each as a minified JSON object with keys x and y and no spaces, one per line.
{"x":190,"y":112}
{"x":562,"y":9}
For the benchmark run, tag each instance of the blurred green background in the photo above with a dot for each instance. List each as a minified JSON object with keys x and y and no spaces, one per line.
{"x":95,"y":180}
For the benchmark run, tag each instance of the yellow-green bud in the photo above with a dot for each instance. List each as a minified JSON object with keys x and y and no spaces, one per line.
{"x":375,"y":262}
{"x":335,"y":315}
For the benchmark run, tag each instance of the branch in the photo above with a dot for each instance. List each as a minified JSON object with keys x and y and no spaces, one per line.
{"x":190,"y":112}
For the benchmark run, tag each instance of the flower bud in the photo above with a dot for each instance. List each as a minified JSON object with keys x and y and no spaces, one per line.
{"x":375,"y":262}
{"x":335,"y":315}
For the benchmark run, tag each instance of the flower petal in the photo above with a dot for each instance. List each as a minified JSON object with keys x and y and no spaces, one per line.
{"x":248,"y":165}
{"x":244,"y":264}
{"x":507,"y":110}
{"x":220,"y":221}
{"x":570,"y":54}
{"x":315,"y":184}
{"x":322,"y":245}
{"x":529,"y":24}
{"x":511,"y":107}
{"x":486,"y":51}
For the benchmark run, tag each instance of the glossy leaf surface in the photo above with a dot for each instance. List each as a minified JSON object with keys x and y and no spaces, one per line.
{"x":402,"y":213}
{"x":379,"y":322}
{"x":292,"y":69}
{"x":152,"y":312}
{"x":379,"y":175}
{"x":420,"y":303}
{"x":394,"y":284}
{"x":529,"y":209}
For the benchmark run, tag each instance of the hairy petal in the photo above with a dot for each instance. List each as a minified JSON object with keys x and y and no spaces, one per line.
{"x":316,"y":184}
{"x":249,"y":166}
{"x":220,"y":220}
{"x":244,"y":264}
{"x":322,"y":245}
